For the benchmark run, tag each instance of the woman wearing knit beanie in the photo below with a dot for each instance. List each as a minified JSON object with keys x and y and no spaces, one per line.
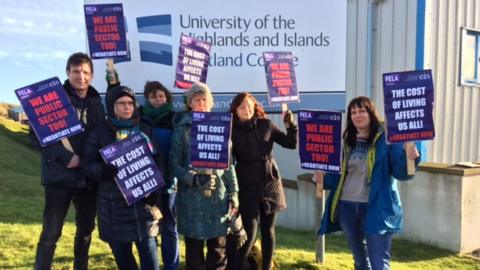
{"x":120,"y":224}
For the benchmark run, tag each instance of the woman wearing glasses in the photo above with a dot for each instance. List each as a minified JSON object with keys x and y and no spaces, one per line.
{"x":119,"y":224}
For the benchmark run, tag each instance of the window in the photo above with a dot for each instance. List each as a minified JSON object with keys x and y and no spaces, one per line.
{"x":470,"y":57}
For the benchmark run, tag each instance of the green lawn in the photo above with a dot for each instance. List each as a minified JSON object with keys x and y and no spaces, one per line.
{"x":21,"y":204}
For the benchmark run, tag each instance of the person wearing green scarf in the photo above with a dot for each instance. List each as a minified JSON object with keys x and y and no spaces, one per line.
{"x":158,"y":111}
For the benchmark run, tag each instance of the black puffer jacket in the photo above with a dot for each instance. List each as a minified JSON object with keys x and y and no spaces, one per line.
{"x":117,"y":221}
{"x":257,"y":172}
{"x":55,"y":157}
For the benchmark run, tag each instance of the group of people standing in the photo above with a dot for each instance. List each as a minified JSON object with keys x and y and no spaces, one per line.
{"x":202,"y":205}
{"x":219,"y":209}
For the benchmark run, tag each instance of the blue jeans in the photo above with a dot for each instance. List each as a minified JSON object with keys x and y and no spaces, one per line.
{"x":57,"y":202}
{"x":169,"y":246}
{"x":147,"y":250}
{"x":369,"y":251}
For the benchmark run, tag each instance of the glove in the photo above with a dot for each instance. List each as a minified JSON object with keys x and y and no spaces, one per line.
{"x":189,"y":179}
{"x":205,"y":181}
{"x":235,"y":228}
{"x":109,"y":171}
{"x":233,"y":200}
{"x":289,"y":120}
{"x":111,"y":76}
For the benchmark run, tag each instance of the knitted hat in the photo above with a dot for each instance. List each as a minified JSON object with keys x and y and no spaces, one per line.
{"x":198,"y":88}
{"x":115,"y":93}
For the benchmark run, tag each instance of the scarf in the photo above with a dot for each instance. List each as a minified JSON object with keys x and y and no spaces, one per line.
{"x":246,"y":125}
{"x":129,"y":127}
{"x":123,"y":124}
{"x":157,"y":115}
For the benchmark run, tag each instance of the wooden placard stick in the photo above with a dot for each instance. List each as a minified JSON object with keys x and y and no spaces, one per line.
{"x":111,"y":71}
{"x":319,"y":181}
{"x":410,"y":162}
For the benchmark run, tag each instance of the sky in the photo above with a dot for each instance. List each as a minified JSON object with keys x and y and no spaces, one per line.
{"x":36,"y":38}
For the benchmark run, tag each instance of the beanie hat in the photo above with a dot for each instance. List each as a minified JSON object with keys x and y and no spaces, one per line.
{"x":115,"y":93}
{"x":198,"y":88}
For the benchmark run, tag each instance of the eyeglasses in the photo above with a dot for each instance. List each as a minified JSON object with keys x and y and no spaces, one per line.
{"x":125,"y":103}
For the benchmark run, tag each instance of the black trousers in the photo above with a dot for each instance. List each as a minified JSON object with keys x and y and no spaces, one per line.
{"x":267,"y":231}
{"x":195,"y":259}
{"x":57,"y":202}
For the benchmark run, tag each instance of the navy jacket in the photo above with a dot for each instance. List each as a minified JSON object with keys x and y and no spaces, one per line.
{"x":54,"y":157}
{"x":117,"y":221}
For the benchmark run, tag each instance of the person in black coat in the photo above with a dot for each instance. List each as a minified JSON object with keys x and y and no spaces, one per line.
{"x":62,"y":176}
{"x":120,"y":224}
{"x":158,"y":111}
{"x":261,"y":192}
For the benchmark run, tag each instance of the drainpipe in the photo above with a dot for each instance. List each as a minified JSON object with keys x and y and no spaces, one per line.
{"x":370,"y":48}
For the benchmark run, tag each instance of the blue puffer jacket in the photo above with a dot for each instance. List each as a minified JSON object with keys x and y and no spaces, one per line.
{"x":385,"y":213}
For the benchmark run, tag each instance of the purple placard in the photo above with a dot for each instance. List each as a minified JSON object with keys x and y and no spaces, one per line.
{"x":49,"y":111}
{"x":106,"y":33}
{"x":281,"y":79}
{"x":192,"y":63}
{"x":320,"y":140}
{"x":138,"y":175}
{"x":209,"y":140}
{"x":409,"y":106}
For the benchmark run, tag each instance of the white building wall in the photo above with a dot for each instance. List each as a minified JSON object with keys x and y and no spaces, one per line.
{"x":456,"y":110}
{"x":394,"y":30}
{"x":394,"y":45}
{"x":356,"y":48}
{"x":287,"y":159}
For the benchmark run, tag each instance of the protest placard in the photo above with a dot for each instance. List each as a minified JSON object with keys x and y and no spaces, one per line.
{"x":106,"y":31}
{"x":320,"y":140}
{"x":281,"y":79}
{"x":49,"y":111}
{"x":192,"y":63}
{"x":138,"y":175}
{"x":209,"y":140}
{"x":408,"y":103}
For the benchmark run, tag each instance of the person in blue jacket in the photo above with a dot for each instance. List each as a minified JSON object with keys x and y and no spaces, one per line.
{"x":158,"y":110}
{"x":364,"y":201}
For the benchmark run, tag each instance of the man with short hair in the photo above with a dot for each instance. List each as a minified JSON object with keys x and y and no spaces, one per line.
{"x":62,"y":175}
